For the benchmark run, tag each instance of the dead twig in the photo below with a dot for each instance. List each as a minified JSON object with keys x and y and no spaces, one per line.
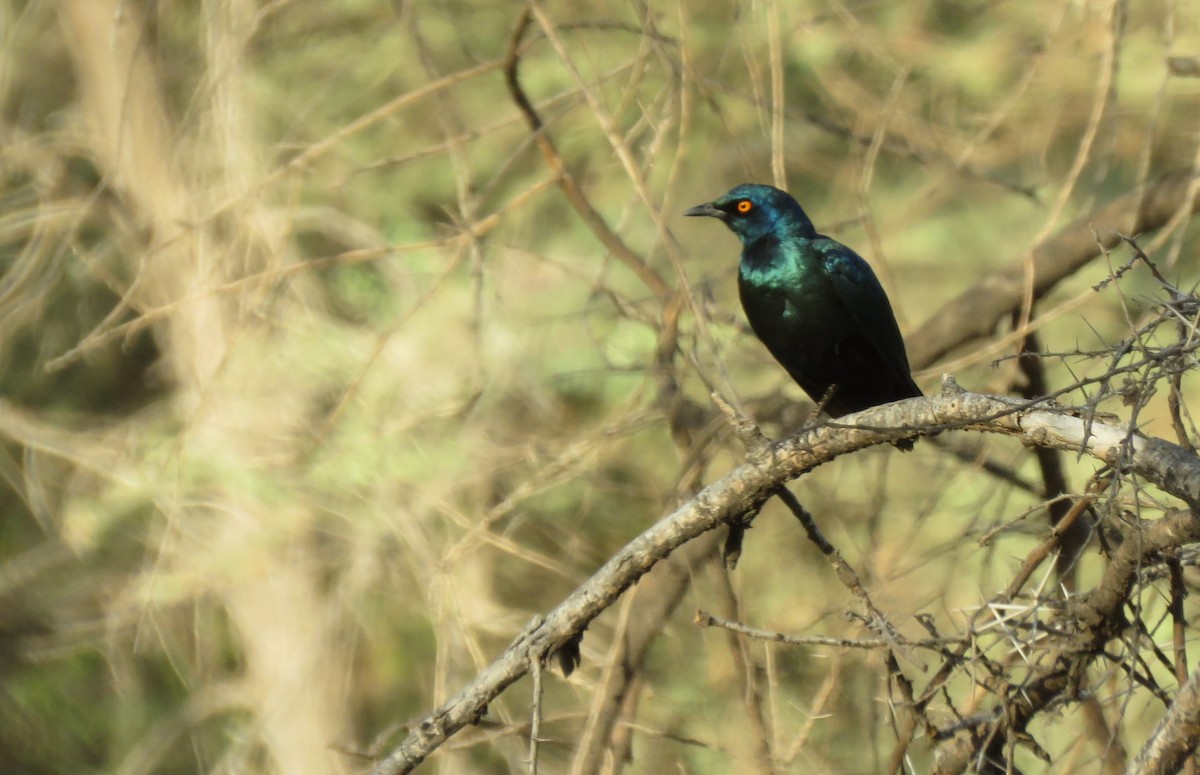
{"x":1162,"y":463}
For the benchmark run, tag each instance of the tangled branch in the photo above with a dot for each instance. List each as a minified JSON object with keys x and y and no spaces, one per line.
{"x":725,"y":502}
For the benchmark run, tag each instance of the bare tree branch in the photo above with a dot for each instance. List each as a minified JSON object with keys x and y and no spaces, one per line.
{"x":1175,"y":737}
{"x":1073,"y":538}
{"x":725,"y":501}
{"x":1098,"y":616}
{"x":657,"y":596}
{"x":977,"y":310}
{"x":566,"y":181}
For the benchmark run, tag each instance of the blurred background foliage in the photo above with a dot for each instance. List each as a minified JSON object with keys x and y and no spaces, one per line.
{"x":315,"y":389}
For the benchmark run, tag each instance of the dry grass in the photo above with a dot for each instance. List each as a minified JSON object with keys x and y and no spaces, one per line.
{"x":315,"y":389}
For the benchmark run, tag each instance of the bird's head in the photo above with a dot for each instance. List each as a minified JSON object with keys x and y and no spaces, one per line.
{"x":752,"y":211}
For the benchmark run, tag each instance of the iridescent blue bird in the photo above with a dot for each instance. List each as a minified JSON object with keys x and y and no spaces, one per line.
{"x":814,"y":303}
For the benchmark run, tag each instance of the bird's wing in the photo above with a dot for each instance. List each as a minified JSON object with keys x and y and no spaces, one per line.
{"x":864,"y":298}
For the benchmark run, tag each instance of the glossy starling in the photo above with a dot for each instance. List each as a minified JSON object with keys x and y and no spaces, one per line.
{"x":814,"y":303}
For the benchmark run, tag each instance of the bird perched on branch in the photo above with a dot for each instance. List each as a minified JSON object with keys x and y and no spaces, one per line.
{"x":814,"y":303}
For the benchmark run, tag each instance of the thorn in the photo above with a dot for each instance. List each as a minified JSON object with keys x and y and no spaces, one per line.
{"x":950,"y":386}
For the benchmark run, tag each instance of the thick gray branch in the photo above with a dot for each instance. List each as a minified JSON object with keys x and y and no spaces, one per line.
{"x":1175,"y":737}
{"x":724,"y":501}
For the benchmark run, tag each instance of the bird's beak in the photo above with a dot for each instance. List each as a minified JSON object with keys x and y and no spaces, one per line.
{"x":707,"y":209}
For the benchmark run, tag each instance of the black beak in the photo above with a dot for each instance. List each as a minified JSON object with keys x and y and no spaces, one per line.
{"x":708,"y":209}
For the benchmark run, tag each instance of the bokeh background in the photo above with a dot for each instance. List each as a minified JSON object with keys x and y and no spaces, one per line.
{"x":314,"y":389}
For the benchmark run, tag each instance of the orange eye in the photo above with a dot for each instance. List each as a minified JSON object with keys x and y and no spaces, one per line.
{"x":745,"y":206}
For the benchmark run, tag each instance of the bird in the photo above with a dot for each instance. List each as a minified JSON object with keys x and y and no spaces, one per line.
{"x":814,"y":303}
